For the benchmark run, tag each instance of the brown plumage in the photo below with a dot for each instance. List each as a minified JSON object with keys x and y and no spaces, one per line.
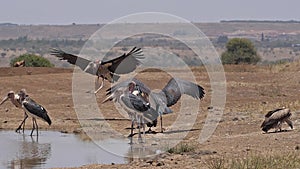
{"x":108,"y":70}
{"x":275,"y":118}
{"x":19,"y":64}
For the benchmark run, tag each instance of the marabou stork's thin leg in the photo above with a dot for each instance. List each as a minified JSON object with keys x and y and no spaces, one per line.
{"x":143,"y":124}
{"x":101,"y":86}
{"x":23,"y":123}
{"x":37,"y":127}
{"x":33,"y":126}
{"x":140,"y":135}
{"x":131,"y":132}
{"x":26,"y":116}
{"x":161,"y":129}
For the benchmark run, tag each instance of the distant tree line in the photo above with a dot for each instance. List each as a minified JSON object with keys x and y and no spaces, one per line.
{"x":260,"y":21}
{"x":40,"y":46}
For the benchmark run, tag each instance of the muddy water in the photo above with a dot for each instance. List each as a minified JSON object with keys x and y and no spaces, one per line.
{"x":55,"y":149}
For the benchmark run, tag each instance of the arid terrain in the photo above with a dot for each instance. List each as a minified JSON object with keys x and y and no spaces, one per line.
{"x":251,"y":92}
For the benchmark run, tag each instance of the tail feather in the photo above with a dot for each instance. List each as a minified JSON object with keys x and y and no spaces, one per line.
{"x":47,"y":119}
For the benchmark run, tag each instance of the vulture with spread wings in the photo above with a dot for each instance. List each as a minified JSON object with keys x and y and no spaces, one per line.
{"x":171,"y":94}
{"x":275,"y":118}
{"x":109,"y":69}
{"x":159,"y":101}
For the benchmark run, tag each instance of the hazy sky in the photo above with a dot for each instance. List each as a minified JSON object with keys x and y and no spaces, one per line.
{"x":97,"y":11}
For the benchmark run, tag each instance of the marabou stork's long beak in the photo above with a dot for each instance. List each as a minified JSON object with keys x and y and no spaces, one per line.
{"x":4,"y":100}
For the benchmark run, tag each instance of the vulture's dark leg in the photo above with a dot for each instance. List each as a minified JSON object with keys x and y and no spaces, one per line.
{"x":101,"y":86}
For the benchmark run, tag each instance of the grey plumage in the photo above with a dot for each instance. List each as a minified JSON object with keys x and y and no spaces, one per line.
{"x":128,"y":95}
{"x":275,"y":118}
{"x":160,"y":101}
{"x":171,"y":94}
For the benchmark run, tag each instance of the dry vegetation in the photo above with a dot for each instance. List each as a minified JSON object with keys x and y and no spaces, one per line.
{"x":237,"y":142}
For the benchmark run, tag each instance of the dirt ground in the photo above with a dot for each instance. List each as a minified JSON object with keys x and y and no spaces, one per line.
{"x":251,"y":92}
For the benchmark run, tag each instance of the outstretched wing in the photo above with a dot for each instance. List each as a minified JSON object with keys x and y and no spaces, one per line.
{"x":176,"y":87}
{"x":37,"y":110}
{"x":125,"y":63}
{"x":73,"y":59}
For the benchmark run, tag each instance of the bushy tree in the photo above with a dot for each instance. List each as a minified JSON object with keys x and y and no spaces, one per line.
{"x":32,"y":60}
{"x":240,"y":50}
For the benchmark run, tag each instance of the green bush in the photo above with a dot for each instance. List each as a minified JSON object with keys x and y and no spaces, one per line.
{"x":181,"y":148}
{"x":240,"y":50}
{"x":32,"y":60}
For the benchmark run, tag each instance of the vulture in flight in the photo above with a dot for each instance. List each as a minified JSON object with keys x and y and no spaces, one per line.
{"x":108,"y":69}
{"x":159,"y":101}
{"x":275,"y":118}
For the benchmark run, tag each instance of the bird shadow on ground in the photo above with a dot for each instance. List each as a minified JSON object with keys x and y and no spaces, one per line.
{"x":167,"y":132}
{"x":179,"y":131}
{"x":276,"y":132}
{"x":101,"y":119}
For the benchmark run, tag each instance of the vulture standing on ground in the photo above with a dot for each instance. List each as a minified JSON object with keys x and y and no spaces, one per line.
{"x":275,"y":118}
{"x":170,"y":95}
{"x":109,"y":69}
{"x":15,"y":100}
{"x":159,"y":101}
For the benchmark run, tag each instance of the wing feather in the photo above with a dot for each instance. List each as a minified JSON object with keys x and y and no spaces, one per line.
{"x":72,"y":59}
{"x":125,"y":63}
{"x":32,"y":107}
{"x":176,"y":87}
{"x":135,"y":103}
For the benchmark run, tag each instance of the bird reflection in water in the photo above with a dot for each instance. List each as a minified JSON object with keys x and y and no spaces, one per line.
{"x":32,"y":154}
{"x":141,"y":152}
